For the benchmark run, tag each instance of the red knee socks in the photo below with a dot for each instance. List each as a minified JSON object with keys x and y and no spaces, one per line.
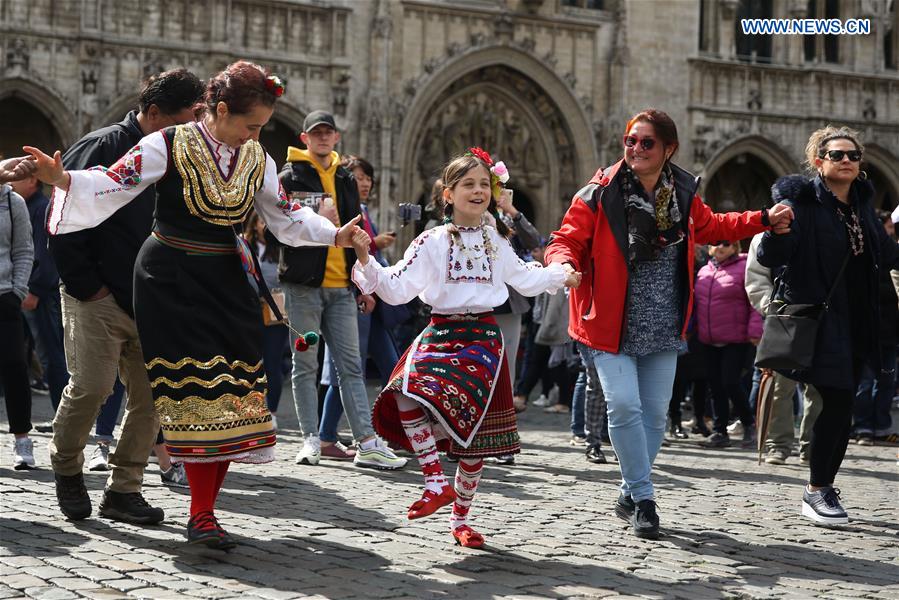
{"x":205,"y":480}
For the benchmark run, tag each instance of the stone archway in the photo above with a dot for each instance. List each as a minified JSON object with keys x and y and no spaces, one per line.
{"x":880,"y":165}
{"x":38,"y":115}
{"x":24,"y":124}
{"x":515,"y":107}
{"x":739,"y":177}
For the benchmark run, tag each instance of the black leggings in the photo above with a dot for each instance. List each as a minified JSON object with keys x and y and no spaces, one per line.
{"x":13,"y":368}
{"x":725,"y":365}
{"x":830,"y":434}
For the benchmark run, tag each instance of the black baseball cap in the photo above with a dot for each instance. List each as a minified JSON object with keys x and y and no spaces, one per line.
{"x":318,"y":117}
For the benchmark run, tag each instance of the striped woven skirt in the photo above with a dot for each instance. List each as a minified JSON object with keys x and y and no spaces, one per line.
{"x":456,"y":369}
{"x":200,"y":327}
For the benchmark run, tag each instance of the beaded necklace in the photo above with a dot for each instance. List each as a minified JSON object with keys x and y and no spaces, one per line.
{"x":474,"y":252}
{"x":853,"y":230}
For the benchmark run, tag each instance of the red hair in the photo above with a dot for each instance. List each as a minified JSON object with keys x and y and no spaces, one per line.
{"x":663,"y":125}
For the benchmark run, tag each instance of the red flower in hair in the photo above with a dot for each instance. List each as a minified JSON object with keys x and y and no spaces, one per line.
{"x":274,"y":84}
{"x":480,"y":153}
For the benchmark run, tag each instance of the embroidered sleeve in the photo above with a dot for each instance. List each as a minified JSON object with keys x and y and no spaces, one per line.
{"x":403,"y":281}
{"x":292,"y":224}
{"x":529,"y":278}
{"x":96,"y":193}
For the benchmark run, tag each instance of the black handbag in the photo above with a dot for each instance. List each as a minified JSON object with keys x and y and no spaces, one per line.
{"x":788,"y":339}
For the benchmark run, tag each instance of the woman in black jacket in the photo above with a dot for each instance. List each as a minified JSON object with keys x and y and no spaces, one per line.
{"x":834,"y":221}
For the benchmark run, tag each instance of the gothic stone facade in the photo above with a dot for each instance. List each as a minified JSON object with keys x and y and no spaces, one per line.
{"x":547,"y":85}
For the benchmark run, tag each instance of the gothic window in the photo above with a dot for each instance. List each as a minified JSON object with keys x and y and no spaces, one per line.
{"x":753,"y":48}
{"x":593,"y":4}
{"x":822,"y":48}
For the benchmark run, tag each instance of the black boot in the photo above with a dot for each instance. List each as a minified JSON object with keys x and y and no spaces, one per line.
{"x":130,"y":508}
{"x":72,"y":496}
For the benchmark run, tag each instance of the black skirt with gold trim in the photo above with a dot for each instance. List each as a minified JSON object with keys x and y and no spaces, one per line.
{"x":200,"y":328}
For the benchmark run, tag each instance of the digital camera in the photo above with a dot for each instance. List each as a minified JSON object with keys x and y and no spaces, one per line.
{"x":409,"y":213}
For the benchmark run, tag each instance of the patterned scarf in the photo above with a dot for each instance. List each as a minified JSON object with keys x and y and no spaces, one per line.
{"x":651,"y":226}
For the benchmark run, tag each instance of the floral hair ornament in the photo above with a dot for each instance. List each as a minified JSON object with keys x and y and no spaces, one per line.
{"x":499,"y":173}
{"x":274,"y":84}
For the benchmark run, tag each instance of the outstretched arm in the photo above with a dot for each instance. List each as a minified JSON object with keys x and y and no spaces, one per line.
{"x":84,"y":199}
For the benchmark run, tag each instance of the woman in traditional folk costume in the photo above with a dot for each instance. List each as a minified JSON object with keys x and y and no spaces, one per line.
{"x":453,"y":381}
{"x":197,"y":316}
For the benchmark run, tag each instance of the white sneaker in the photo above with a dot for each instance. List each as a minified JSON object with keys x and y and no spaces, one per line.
{"x":23,"y":454}
{"x":378,"y":456}
{"x":542,"y":401}
{"x":311,"y":452}
{"x":735,"y":428}
{"x":99,"y":460}
{"x":175,"y":476}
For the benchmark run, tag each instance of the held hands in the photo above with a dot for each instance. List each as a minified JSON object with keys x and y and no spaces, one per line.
{"x":361,"y":243}
{"x":366,"y":303}
{"x":344,"y":238}
{"x":49,"y":169}
{"x":780,"y":216}
{"x":573,"y":279}
{"x":504,"y":203}
{"x":14,"y":169}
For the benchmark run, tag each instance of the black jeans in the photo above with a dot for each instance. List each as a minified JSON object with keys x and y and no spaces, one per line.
{"x":725,"y":365}
{"x":13,"y":368}
{"x":830,"y":434}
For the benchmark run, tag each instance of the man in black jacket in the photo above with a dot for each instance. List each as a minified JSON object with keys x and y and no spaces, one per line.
{"x":97,"y":267}
{"x":319,"y":296}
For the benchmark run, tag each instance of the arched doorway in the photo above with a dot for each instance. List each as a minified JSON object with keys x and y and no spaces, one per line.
{"x":276,"y":136}
{"x":24,"y":124}
{"x":508,"y":114}
{"x":879,"y":164}
{"x":742,"y":183}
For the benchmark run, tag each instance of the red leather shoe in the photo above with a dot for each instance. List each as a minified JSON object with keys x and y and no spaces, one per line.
{"x":430,"y":502}
{"x":467,"y":537}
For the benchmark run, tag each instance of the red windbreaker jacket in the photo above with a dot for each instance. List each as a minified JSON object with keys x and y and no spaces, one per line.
{"x":593,"y":238}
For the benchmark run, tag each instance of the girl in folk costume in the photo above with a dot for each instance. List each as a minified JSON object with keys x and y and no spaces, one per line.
{"x":197,"y":315}
{"x":451,"y":388}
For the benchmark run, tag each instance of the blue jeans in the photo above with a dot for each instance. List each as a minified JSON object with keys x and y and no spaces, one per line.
{"x":379,"y":344}
{"x":45,"y":323}
{"x":274,"y":342}
{"x":333,"y":312}
{"x":874,"y":396}
{"x":109,"y":413}
{"x":637,"y":391}
{"x":578,"y":400}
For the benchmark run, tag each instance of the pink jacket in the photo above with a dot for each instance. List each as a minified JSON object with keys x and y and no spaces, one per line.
{"x":723,"y":312}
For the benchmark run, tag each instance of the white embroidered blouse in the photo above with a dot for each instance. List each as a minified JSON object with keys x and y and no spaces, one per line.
{"x":96,"y":193}
{"x":454,"y":278}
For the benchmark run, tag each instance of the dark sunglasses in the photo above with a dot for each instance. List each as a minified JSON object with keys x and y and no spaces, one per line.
{"x":837,"y":155}
{"x":647,"y":143}
{"x":723,"y":244}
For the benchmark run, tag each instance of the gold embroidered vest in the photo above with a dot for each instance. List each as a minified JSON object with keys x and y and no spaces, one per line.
{"x":208,"y":194}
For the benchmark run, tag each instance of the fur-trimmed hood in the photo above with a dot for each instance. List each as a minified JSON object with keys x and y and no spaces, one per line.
{"x":800,"y":188}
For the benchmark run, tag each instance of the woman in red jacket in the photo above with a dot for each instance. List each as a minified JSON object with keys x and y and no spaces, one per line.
{"x":726,"y":324}
{"x":631,"y":231}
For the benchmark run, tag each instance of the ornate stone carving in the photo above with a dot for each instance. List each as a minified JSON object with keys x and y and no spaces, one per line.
{"x":504,"y":28}
{"x":869,"y":112}
{"x":483,"y":117}
{"x":755,"y":100}
{"x":570,"y":79}
{"x":382,"y":26}
{"x":340,"y":92}
{"x":527,"y":44}
{"x":17,"y":57}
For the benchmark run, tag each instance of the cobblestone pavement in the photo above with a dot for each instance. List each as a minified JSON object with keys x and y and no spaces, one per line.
{"x":731,"y":530}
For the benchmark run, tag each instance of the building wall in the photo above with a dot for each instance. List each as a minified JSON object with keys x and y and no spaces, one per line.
{"x":545,"y":85}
